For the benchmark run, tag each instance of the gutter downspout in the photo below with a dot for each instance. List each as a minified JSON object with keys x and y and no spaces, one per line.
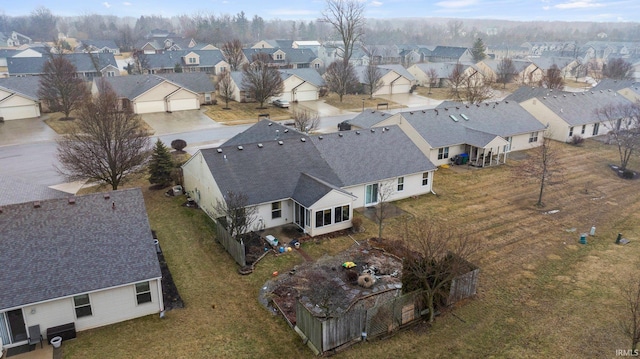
{"x":293,"y":90}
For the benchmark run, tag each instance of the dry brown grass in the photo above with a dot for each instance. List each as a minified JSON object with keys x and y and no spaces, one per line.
{"x":435,"y":93}
{"x":541,"y":294}
{"x":354,"y":102}
{"x":243,"y":112}
{"x":63,"y":127}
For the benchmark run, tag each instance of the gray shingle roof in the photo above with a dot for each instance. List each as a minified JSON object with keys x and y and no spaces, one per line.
{"x":292,"y":56}
{"x":361,"y":72}
{"x":616,"y":85}
{"x":273,"y":171}
{"x":169,"y":59}
{"x":16,"y":190}
{"x":545,"y":63}
{"x":310,"y":189}
{"x":132,"y":86}
{"x":98,"y":44}
{"x":263,"y":131}
{"x":443,"y":69}
{"x":579,"y":108}
{"x":63,"y":249}
{"x":448,"y":51}
{"x":524,"y":93}
{"x":368,"y":119}
{"x":310,"y":75}
{"x":26,"y":86}
{"x":195,"y":81}
{"x":82,"y":61}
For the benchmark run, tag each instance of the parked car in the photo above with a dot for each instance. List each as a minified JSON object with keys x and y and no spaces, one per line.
{"x":280,"y":103}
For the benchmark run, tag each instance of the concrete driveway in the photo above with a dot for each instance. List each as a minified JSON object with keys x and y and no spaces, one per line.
{"x":28,"y":130}
{"x":320,"y":107}
{"x":164,"y":123}
{"x":411,"y":100}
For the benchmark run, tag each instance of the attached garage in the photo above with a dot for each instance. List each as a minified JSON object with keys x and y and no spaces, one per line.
{"x":305,"y":92}
{"x":16,"y":107}
{"x":140,"y":107}
{"x":182,"y":100}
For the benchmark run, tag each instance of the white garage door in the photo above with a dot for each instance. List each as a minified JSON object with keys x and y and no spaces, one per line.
{"x":384,"y":90}
{"x":149,"y":107}
{"x":183,"y":104}
{"x":401,"y":88}
{"x":19,"y":112}
{"x":307,"y":95}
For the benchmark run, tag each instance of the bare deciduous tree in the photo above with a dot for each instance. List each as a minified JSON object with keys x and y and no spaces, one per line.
{"x":261,"y":80}
{"x":305,"y":121}
{"x":630,"y":321}
{"x":347,"y":19}
{"x":373,"y":79}
{"x":552,"y":78}
{"x":542,"y":166}
{"x":341,"y":78}
{"x":618,"y":69}
{"x":59,"y":86}
{"x":107,"y":144}
{"x":226,"y":88}
{"x":505,"y":72}
{"x":232,"y":51}
{"x":623,"y":123}
{"x":432,"y":74}
{"x":382,"y":209}
{"x":441,"y":254}
{"x":237,"y":212}
{"x":456,"y":79}
{"x":140,"y":62}
{"x":477,"y":88}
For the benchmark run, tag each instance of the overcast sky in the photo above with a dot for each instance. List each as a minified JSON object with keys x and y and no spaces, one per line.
{"x":519,"y":10}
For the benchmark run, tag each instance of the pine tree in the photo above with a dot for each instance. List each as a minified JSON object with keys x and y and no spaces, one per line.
{"x":478,"y":50}
{"x":160,"y":165}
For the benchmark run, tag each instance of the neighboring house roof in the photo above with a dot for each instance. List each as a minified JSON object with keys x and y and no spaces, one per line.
{"x":524,"y":93}
{"x":361,"y":72}
{"x":309,"y":75}
{"x":264,"y":130}
{"x":615,"y":85}
{"x":195,"y":81}
{"x":310,"y":189}
{"x":292,"y":56}
{"x":56,"y":249}
{"x":236,"y":77}
{"x":169,"y":59}
{"x":83,"y":62}
{"x":97,"y":44}
{"x":452,"y":52}
{"x":16,"y":190}
{"x":267,"y":171}
{"x":399,"y":69}
{"x":519,"y":65}
{"x":443,"y":69}
{"x":580,"y":108}
{"x":4,"y":53}
{"x":545,"y":63}
{"x":25,"y":86}
{"x":280,"y":43}
{"x":368,"y":119}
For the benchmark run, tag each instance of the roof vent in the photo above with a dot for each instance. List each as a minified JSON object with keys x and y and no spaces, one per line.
{"x":72,"y":200}
{"x":319,"y":137}
{"x":436,"y":110}
{"x":286,"y":130}
{"x":225,"y":157}
{"x":464,"y":117}
{"x":609,"y":90}
{"x":240,"y":148}
{"x":303,"y":139}
{"x":446,"y":109}
{"x":386,"y":128}
{"x":0,"y":210}
{"x":423,"y":111}
{"x":411,"y":113}
{"x":454,"y":118}
{"x":357,"y":132}
{"x":544,"y":97}
{"x":340,"y":135}
{"x":107,"y":196}
{"x":280,"y":142}
{"x":574,"y":94}
{"x":219,"y":150}
{"x":260,"y":145}
{"x":36,"y":204}
{"x":374,"y":111}
{"x":457,"y":108}
{"x":373,"y":130}
{"x":467,"y":106}
{"x":270,"y":123}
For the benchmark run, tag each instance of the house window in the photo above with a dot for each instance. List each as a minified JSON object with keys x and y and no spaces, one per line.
{"x":317,"y":66}
{"x":192,"y":60}
{"x":400,"y":184}
{"x":341,"y":214}
{"x":276,"y":210}
{"x":111,"y":73}
{"x":307,"y":218}
{"x":596,"y":127}
{"x":82,"y":305}
{"x":533,"y":137}
{"x":143,"y":292}
{"x":443,"y":153}
{"x":425,"y":178}
{"x":584,"y":129}
{"x":323,"y":218}
{"x":570,"y":131}
{"x":279,"y":57}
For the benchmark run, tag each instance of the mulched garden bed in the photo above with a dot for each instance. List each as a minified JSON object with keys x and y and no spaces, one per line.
{"x":170,"y":295}
{"x":627,"y":174}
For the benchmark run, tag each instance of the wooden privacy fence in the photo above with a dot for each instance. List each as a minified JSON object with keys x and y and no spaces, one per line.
{"x":234,"y":248}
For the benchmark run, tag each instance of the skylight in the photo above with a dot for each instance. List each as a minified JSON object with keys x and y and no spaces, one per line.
{"x":464,"y":117}
{"x":454,"y":118}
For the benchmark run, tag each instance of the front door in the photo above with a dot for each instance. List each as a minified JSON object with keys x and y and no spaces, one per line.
{"x":18,"y":331}
{"x":371,"y":194}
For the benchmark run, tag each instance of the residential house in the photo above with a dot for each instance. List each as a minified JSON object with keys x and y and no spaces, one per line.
{"x":13,"y":39}
{"x":525,"y":70}
{"x":567,"y":66}
{"x":19,"y":98}
{"x":569,"y":114}
{"x":383,"y":54}
{"x":314,"y":182}
{"x":331,"y":51}
{"x":311,"y":45}
{"x":95,"y":46}
{"x":288,"y":58}
{"x":450,"y":54}
{"x":395,"y":79}
{"x":409,"y":57}
{"x":537,"y":48}
{"x":88,"y":65}
{"x":627,"y":88}
{"x":159,"y":41}
{"x":486,"y":133}
{"x":601,"y":50}
{"x":299,"y":85}
{"x":86,"y":260}
{"x":498,"y":52}
{"x":160,"y":93}
{"x":441,"y":70}
{"x":207,"y":61}
{"x":273,"y":44}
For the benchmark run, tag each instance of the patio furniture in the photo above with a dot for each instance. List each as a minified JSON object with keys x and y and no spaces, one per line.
{"x":35,"y":335}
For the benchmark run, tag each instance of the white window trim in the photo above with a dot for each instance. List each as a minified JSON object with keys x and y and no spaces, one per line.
{"x":143,"y":292}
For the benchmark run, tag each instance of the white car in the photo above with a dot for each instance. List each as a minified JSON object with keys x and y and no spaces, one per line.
{"x":280,"y":103}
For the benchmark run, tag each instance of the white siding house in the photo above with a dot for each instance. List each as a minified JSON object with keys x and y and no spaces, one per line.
{"x":87,"y":260}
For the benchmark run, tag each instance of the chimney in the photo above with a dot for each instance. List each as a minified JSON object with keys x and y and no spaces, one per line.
{"x":36,"y":204}
{"x":72,"y":200}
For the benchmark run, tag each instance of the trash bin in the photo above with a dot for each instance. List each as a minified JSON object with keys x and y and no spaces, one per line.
{"x":465,"y":158}
{"x":56,"y":342}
